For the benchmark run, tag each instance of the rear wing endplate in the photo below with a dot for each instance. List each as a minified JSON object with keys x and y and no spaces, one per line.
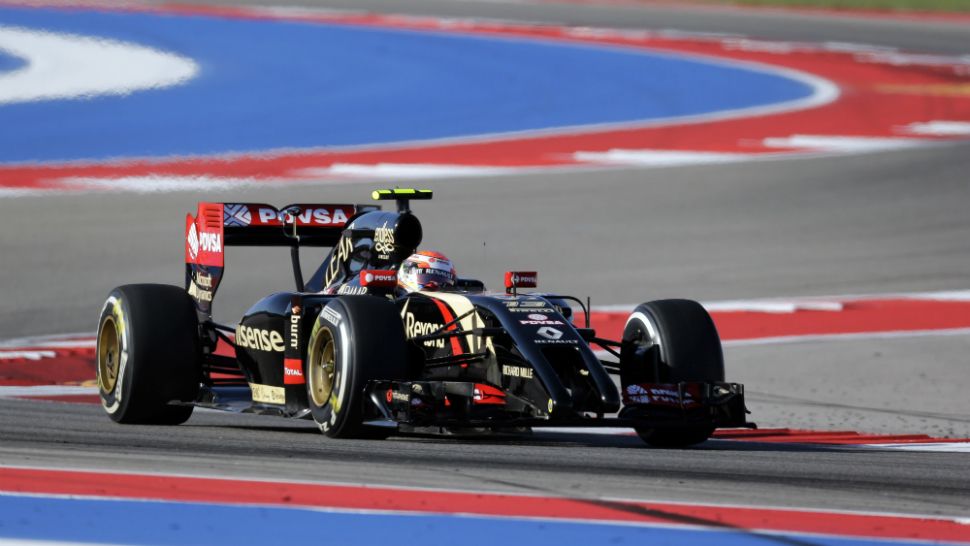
{"x":218,"y":225}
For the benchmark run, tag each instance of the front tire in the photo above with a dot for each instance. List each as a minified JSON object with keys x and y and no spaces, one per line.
{"x":669,"y":341}
{"x":148,"y":354}
{"x":355,"y":339}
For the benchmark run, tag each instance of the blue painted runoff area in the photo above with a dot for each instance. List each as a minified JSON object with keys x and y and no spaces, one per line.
{"x":178,"y":523}
{"x":271,"y":84}
{"x":9,"y":63}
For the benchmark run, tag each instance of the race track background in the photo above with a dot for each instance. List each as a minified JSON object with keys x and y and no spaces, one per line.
{"x":830,"y":224}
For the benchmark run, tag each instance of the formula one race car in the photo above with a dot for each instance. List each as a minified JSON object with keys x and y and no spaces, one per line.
{"x":363,"y":358}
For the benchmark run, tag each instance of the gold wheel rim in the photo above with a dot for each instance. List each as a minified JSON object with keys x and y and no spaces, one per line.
{"x":321,"y":368}
{"x":109,"y":355}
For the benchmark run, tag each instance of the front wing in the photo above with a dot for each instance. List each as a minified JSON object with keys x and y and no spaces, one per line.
{"x":457,"y":404}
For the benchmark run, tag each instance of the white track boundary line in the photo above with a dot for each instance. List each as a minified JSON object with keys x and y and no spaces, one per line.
{"x":809,"y":303}
{"x":860,"y":336}
{"x":7,"y":391}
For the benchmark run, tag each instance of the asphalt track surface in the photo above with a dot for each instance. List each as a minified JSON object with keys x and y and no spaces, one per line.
{"x":887,"y":222}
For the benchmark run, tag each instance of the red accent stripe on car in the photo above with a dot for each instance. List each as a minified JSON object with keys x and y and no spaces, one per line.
{"x":448,"y":317}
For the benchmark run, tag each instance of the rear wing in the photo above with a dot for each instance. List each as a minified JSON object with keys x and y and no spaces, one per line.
{"x":218,"y":225}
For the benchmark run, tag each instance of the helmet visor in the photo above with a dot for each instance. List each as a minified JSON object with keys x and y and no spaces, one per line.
{"x":434,"y":277}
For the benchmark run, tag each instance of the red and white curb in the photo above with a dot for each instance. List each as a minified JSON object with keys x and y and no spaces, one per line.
{"x":795,"y":320}
{"x":866,"y":99}
{"x":789,"y":523}
{"x":885,"y":14}
{"x":821,"y":438}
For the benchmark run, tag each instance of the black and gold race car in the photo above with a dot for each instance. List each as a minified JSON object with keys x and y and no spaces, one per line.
{"x":362,"y":358}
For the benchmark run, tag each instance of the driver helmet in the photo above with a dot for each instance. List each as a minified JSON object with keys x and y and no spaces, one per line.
{"x":426,"y":270}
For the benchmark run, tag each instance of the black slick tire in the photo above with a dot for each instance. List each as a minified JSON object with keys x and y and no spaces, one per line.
{"x":669,"y":341}
{"x":355,"y":339}
{"x":148,"y":354}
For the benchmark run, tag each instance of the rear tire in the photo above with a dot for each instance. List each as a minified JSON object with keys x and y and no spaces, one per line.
{"x":669,"y":341}
{"x":355,"y":339}
{"x":148,"y":354}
